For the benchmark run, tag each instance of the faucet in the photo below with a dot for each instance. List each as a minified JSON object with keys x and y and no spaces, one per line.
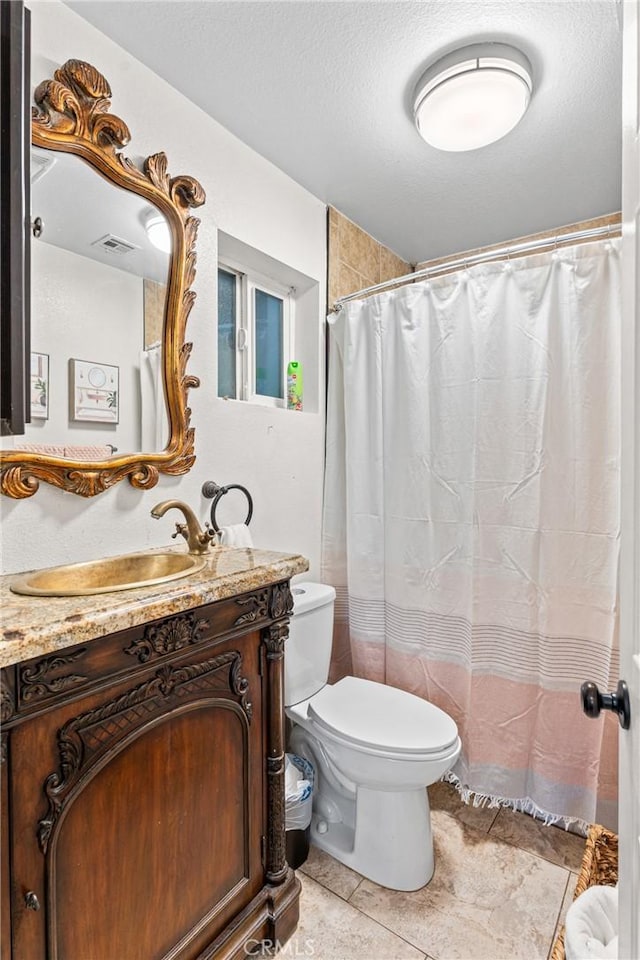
{"x":197,"y":538}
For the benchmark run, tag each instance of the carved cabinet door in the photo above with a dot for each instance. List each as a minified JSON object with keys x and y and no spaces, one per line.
{"x":137,"y":812}
{"x":5,"y":871}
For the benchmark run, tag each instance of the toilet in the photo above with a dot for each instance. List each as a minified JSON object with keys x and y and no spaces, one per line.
{"x":374,"y":748}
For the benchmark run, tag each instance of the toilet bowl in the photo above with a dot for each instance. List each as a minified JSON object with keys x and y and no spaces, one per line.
{"x":375,"y":749}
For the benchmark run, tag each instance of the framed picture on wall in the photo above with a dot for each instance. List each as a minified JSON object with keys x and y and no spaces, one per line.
{"x":39,"y":386}
{"x":94,"y":393}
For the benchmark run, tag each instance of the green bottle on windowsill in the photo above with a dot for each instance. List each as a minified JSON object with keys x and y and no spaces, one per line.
{"x":294,"y":386}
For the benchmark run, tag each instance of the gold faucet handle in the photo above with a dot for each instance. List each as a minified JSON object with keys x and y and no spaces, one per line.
{"x":209,"y":532}
{"x":182,"y":530}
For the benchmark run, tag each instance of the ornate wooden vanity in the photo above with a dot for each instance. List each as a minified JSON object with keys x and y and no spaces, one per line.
{"x":142,"y":768}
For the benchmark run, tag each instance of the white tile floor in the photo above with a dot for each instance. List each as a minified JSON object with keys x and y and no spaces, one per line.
{"x":502,"y":884}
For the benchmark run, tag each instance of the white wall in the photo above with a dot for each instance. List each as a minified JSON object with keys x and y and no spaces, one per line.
{"x":85,"y":310}
{"x":277,"y":454}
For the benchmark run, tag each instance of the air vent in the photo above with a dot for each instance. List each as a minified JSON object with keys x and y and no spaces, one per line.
{"x":114,"y":244}
{"x":39,"y":165}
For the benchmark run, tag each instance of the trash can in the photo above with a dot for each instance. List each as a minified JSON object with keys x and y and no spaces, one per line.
{"x":298,"y":776}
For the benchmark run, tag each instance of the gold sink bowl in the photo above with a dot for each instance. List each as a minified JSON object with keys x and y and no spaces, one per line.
{"x":109,"y":575}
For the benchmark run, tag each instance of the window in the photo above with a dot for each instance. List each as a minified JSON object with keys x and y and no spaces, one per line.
{"x":269,"y":315}
{"x":255,"y":331}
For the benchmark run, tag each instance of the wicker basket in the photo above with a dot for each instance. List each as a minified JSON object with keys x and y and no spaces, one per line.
{"x":599,"y":866}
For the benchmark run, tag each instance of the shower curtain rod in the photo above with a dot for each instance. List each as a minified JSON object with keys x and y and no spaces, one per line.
{"x":490,"y":253}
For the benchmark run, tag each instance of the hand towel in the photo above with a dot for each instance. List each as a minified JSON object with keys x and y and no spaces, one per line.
{"x":88,"y":451}
{"x":236,"y":535}
{"x":45,"y":449}
{"x":69,"y":452}
{"x":591,"y":929}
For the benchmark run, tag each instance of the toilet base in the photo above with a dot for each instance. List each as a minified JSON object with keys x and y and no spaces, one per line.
{"x":391,"y":842}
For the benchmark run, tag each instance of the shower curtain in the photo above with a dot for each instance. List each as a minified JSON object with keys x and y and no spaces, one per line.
{"x":471,"y":520}
{"x":154,"y":425}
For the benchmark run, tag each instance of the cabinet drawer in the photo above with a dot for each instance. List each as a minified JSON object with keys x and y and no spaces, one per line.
{"x":45,"y":680}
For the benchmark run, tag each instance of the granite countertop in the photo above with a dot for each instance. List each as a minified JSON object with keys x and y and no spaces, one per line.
{"x":32,"y":626}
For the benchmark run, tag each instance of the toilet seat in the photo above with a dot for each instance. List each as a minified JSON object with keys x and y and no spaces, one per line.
{"x":382,"y":719}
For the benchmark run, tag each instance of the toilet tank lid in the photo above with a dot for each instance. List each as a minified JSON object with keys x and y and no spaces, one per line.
{"x":382,"y":717}
{"x":308,"y":596}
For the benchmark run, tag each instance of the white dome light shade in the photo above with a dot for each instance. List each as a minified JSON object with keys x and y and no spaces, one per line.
{"x":158,"y":232}
{"x":474,"y":100}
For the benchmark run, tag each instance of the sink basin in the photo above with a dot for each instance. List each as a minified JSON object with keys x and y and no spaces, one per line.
{"x":109,"y":575}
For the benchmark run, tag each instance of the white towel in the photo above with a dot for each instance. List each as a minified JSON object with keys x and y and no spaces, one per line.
{"x":591,"y":929}
{"x":69,"y":452}
{"x":236,"y":535}
{"x":86,"y":452}
{"x":46,"y":449}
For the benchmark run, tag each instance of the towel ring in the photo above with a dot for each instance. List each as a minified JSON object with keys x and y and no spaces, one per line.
{"x":211,"y":490}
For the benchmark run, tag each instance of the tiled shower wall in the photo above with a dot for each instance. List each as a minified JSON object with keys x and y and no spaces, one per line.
{"x":356,"y":260}
{"x":609,"y":220}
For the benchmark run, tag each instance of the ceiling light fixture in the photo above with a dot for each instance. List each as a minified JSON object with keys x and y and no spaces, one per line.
{"x":473,"y":96}
{"x":158,"y":232}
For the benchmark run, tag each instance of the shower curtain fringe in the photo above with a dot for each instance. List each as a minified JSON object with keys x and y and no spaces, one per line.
{"x":522,"y":805}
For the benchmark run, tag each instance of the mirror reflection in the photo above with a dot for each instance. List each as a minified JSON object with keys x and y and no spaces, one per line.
{"x":100,"y":261}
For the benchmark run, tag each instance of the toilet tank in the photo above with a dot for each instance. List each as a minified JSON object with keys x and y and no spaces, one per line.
{"x":307,"y":652}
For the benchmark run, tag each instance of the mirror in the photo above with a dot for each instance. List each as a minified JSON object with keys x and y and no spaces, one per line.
{"x":113,"y":259}
{"x":98,"y":297}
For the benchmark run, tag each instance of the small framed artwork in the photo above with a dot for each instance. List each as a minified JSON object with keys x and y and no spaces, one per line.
{"x":39,"y":386}
{"x":93,"y":391}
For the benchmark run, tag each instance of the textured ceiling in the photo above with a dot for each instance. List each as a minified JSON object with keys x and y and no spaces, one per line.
{"x":324,"y":90}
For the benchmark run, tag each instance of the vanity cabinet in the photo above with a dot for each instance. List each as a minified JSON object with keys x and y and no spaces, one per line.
{"x":143,"y":790}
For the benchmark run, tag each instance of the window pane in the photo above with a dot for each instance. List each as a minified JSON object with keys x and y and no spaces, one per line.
{"x":226,"y":334}
{"x":269,"y":335}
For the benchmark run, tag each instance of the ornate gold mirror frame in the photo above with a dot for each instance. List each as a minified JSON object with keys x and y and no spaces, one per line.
{"x":73,"y":117}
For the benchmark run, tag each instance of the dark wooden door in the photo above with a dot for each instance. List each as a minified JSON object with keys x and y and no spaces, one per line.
{"x":137,"y":813}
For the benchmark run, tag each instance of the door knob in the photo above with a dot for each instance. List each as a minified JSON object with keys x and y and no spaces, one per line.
{"x":593,"y":702}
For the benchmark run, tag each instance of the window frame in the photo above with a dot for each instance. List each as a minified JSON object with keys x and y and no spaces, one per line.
{"x":238,"y":326}
{"x":247,"y":282}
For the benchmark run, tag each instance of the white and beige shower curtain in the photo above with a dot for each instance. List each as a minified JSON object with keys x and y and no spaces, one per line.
{"x":471,"y":522}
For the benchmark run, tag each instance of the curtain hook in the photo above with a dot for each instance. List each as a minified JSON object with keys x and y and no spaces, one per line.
{"x":608,"y":243}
